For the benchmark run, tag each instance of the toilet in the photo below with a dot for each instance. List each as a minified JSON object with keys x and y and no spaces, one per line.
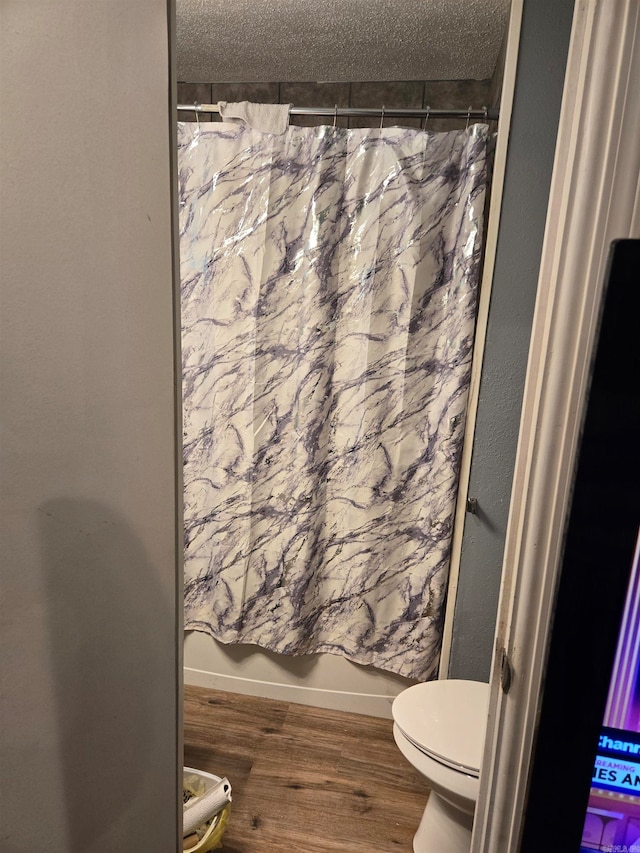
{"x":440,"y":728}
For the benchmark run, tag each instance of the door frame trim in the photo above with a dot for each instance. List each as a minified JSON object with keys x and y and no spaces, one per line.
{"x":594,"y":198}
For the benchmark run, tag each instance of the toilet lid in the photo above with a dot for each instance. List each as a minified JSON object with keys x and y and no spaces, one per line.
{"x":446,"y":720}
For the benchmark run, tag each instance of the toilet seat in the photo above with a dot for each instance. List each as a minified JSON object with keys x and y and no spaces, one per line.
{"x":459,"y":789}
{"x":446,"y":720}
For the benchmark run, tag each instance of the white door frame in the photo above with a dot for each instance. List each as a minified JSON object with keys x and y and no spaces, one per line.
{"x":594,"y":198}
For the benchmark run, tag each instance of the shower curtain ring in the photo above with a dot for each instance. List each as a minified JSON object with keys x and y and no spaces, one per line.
{"x":382,"y":117}
{"x":335,"y":116}
{"x":196,"y":110}
{"x":426,"y":118}
{"x":468,"y":117}
{"x":485,"y":114}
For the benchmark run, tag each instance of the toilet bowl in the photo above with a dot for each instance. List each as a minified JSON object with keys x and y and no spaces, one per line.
{"x":440,"y":728}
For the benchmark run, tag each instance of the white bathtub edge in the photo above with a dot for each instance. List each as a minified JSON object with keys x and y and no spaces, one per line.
{"x":373,"y":704}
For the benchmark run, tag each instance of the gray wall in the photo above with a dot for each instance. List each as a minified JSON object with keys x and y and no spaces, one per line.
{"x":544,"y":45}
{"x":437,"y":94}
{"x":90,"y":608}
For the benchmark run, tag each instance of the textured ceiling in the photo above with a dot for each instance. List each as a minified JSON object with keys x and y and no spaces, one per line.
{"x":300,"y":40}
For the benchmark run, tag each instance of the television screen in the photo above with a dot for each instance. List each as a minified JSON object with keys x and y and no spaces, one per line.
{"x":613,"y":815}
{"x":584,"y":783}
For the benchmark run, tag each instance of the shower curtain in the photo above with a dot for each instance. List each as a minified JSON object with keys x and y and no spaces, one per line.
{"x":329,"y":281}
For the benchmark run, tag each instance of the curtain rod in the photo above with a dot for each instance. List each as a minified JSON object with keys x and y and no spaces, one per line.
{"x":379,"y":112}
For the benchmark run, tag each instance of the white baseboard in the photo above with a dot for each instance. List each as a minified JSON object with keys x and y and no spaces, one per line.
{"x":373,"y":704}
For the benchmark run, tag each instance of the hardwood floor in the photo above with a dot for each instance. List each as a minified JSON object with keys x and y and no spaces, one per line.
{"x":304,"y":779}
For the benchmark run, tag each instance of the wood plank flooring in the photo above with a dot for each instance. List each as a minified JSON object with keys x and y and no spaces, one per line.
{"x":305,"y":780}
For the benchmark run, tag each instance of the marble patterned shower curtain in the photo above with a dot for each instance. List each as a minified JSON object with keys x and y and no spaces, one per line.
{"x":329,"y":281}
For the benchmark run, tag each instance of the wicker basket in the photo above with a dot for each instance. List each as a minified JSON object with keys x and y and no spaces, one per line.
{"x":212,"y":838}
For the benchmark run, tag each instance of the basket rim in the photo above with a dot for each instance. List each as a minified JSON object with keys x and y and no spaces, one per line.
{"x":217,"y":819}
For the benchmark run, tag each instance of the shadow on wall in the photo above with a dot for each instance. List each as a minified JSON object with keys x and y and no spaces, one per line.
{"x":105,"y":612}
{"x":300,"y":666}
